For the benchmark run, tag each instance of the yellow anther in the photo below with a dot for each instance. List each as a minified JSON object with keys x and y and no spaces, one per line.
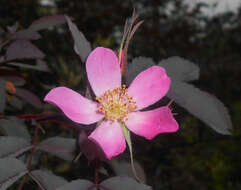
{"x":116,"y":104}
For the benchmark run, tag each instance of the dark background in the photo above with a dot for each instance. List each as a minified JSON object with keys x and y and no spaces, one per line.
{"x":194,"y":158}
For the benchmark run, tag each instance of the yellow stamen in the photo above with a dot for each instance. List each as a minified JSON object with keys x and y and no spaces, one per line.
{"x":116,"y":104}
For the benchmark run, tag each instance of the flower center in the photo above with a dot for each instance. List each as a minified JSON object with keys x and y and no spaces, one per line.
{"x":116,"y":104}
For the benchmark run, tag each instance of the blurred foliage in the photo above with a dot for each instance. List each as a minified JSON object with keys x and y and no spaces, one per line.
{"x":195,"y":157}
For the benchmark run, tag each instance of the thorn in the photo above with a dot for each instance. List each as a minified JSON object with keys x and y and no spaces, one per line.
{"x":171,"y":101}
{"x":77,"y":157}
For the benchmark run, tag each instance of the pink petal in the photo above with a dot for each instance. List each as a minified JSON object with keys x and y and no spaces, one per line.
{"x":75,"y":107}
{"x":103,"y":70}
{"x":149,"y":86}
{"x":110,"y":138}
{"x":150,"y":123}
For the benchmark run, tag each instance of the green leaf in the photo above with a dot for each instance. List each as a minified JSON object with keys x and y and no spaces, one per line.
{"x":127,"y":136}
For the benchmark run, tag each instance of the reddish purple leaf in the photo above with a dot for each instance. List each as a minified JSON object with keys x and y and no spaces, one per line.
{"x":60,"y":147}
{"x":81,"y":45}
{"x":46,"y":22}
{"x":39,"y":66}
{"x":16,"y":102}
{"x":29,"y":97}
{"x":2,"y":95}
{"x":17,"y":80}
{"x":119,"y":183}
{"x":11,"y":170}
{"x":23,"y":49}
{"x":26,"y":34}
{"x":203,"y":105}
{"x":89,"y":148}
{"x":13,"y":146}
{"x":47,"y":180}
{"x":78,"y":184}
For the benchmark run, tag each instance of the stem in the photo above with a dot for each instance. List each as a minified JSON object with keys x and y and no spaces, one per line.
{"x":5,"y":43}
{"x":96,"y":172}
{"x":32,"y":154}
{"x":77,"y":157}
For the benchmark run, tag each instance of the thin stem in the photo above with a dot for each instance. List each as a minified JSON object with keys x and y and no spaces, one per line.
{"x":39,"y":184}
{"x":5,"y":43}
{"x":77,"y":157}
{"x":32,"y":154}
{"x":171,"y":101}
{"x":96,"y":172}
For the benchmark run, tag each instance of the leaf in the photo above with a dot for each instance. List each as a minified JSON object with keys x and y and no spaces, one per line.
{"x":60,"y":147}
{"x":17,"y":80}
{"x":120,"y":183}
{"x":47,"y":22}
{"x":138,"y":65}
{"x":23,"y":49}
{"x":11,"y":170}
{"x":13,"y":146}
{"x":77,"y":185}
{"x":47,"y":180}
{"x":89,"y":148}
{"x":2,"y":95}
{"x":81,"y":45}
{"x":16,"y":102}
{"x":127,"y":136}
{"x":204,"y":106}
{"x":124,"y":168}
{"x":180,"y":69}
{"x":39,"y":66}
{"x":14,"y":127}
{"x":29,"y":97}
{"x":26,"y":34}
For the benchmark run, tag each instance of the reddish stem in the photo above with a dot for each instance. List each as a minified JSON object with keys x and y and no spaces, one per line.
{"x":32,"y":153}
{"x":96,"y":173}
{"x":5,"y":42}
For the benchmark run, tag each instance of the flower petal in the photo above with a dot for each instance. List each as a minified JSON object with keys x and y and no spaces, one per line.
{"x":75,"y":107}
{"x":110,"y":138}
{"x":103,"y":70}
{"x":149,"y":86}
{"x":150,"y":123}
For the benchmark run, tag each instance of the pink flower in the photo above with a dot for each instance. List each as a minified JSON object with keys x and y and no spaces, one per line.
{"x":116,"y":104}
